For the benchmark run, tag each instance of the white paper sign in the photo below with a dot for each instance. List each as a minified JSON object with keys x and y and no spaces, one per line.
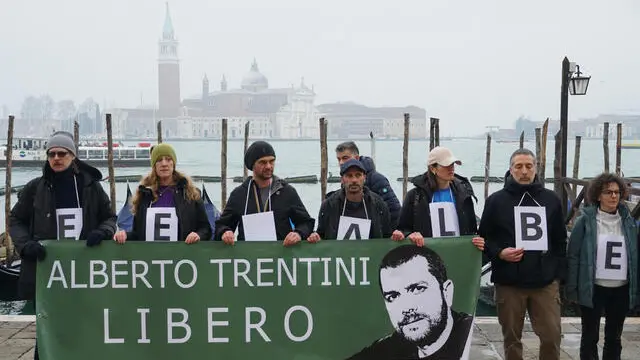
{"x":351,"y":228}
{"x":162,"y":224}
{"x":259,"y":227}
{"x":69,"y":223}
{"x":531,"y":227}
{"x":611,"y":259}
{"x":444,"y":219}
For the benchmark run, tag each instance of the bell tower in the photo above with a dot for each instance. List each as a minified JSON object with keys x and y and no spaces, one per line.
{"x":168,"y":71}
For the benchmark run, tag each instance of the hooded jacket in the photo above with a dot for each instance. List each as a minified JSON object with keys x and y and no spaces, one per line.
{"x":331,"y":210}
{"x":379,"y":184}
{"x":286,"y":205}
{"x":33,"y":216}
{"x":581,"y":256}
{"x":415,"y":215}
{"x":536,"y":269}
{"x":192,"y":216}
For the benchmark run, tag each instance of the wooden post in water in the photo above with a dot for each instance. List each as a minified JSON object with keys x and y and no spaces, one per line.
{"x":76,"y":133}
{"x":324,"y":158}
{"x":432,"y":132}
{"x":543,"y":151}
{"x":618,"y":148}
{"x":159,"y":131}
{"x":7,"y":188}
{"x":436,"y":132}
{"x":245,"y":172}
{"x":405,"y":154}
{"x":522,"y":140}
{"x":557,"y":168}
{"x":576,"y":165}
{"x":487,"y":165}
{"x":112,"y":175}
{"x":538,"y":152}
{"x":605,"y":145}
{"x":223,"y":164}
{"x":373,"y":146}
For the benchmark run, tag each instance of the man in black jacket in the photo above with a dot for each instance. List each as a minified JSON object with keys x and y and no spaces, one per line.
{"x":67,"y":201}
{"x":264,"y":192}
{"x":375,"y":181}
{"x":525,"y":280}
{"x":353,"y":200}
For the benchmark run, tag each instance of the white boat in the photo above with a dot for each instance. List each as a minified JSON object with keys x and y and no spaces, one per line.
{"x":30,"y":152}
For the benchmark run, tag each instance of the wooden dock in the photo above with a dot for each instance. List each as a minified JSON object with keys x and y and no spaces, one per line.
{"x":17,"y":339}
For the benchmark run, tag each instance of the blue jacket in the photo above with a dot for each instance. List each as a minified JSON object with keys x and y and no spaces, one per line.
{"x":379,"y":184}
{"x":581,"y":254}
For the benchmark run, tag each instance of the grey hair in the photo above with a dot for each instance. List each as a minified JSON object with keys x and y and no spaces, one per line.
{"x":523,"y":151}
{"x":348,"y":146}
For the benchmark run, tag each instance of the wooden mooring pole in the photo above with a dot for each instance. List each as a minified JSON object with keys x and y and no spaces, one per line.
{"x":405,"y":153}
{"x":557,"y":168}
{"x":522,"y":140}
{"x":432,"y":132}
{"x":437,"y":131}
{"x":605,"y":146}
{"x":76,"y":133}
{"x":373,"y":145}
{"x":245,"y":172}
{"x":487,"y":166}
{"x":618,"y":148}
{"x":543,"y":150}
{"x":223,"y":165}
{"x":324,"y":158}
{"x":538,"y":152}
{"x":159,"y":131}
{"x":576,"y":165}
{"x":112,"y":175}
{"x":7,"y":195}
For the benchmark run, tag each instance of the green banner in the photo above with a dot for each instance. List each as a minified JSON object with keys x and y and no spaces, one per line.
{"x":331,"y":300}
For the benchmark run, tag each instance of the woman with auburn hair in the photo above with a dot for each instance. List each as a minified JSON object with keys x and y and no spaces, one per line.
{"x":603,"y":265}
{"x":166,"y":205}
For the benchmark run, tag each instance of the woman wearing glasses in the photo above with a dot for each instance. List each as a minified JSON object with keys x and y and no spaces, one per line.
{"x":603,"y":265}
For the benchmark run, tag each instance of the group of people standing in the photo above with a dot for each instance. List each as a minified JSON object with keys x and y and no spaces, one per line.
{"x":598,"y":267}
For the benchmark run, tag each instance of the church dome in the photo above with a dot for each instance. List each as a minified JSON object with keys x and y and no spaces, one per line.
{"x":254,"y":80}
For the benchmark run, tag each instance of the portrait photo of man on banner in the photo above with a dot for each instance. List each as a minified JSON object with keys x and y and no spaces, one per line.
{"x":418,"y":297}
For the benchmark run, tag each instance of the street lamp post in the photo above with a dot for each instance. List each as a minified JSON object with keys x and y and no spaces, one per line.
{"x":572,"y":82}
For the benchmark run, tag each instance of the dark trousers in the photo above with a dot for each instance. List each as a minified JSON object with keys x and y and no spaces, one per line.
{"x":615,"y":303}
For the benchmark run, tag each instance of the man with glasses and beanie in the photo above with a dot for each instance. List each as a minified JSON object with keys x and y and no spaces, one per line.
{"x":66,"y":202}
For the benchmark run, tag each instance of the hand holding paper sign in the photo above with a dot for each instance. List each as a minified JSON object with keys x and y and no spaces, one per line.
{"x":511,"y":254}
{"x":397,"y":235}
{"x":417,"y":238}
{"x":95,"y":237}
{"x":228,"y":237}
{"x":192,"y":238}
{"x":292,"y":238}
{"x":33,"y":250}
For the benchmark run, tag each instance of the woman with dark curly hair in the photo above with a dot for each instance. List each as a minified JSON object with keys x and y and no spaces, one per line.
{"x":167,"y":206}
{"x":603,"y":265}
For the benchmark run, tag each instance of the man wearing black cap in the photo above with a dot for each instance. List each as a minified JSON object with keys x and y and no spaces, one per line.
{"x":67,"y":201}
{"x":354,"y":200}
{"x":263,"y":193}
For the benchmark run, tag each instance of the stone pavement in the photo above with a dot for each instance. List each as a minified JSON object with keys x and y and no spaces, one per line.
{"x":17,"y":337}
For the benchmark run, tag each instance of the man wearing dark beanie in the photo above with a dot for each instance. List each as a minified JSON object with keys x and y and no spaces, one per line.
{"x":67,"y":201}
{"x":264,"y":193}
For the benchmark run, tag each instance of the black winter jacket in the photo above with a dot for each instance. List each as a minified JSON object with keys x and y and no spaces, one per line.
{"x":415,"y":215}
{"x":331,"y":210}
{"x":537,"y":268}
{"x":379,"y":184}
{"x":285,"y":203}
{"x":33,"y":216}
{"x":192,"y":216}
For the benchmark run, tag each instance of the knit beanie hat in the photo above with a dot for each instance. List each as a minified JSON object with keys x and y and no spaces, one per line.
{"x":257,"y":150}
{"x":62,"y":139}
{"x":161,"y":150}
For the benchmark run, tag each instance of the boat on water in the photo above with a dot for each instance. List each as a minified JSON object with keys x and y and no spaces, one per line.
{"x":31,"y":152}
{"x":634,"y":145}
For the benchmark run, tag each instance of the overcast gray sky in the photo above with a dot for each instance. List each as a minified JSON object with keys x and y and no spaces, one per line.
{"x":471,"y":63}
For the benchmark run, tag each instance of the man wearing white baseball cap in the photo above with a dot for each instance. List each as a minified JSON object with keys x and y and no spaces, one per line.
{"x":441,"y":204}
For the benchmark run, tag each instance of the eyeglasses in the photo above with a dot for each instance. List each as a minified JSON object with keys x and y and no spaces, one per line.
{"x":610,"y":193}
{"x":60,"y":154}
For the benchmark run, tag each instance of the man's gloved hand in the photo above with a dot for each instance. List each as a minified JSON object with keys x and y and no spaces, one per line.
{"x":95,"y":237}
{"x":33,"y":251}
